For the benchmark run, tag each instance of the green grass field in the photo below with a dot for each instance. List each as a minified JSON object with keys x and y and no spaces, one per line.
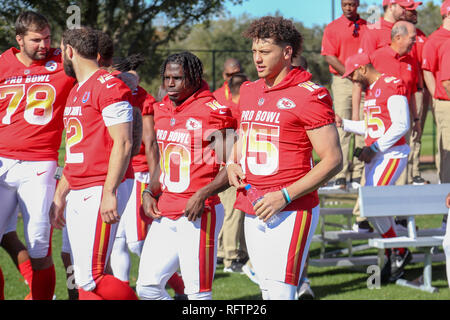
{"x":327,"y":283}
{"x":330,"y":283}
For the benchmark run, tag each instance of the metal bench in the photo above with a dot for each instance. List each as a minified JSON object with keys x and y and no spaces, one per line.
{"x":408,"y":201}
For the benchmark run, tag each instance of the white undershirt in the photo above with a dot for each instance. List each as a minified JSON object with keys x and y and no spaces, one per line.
{"x":116,"y":113}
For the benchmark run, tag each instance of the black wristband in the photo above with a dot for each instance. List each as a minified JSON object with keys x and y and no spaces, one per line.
{"x":150,"y":193}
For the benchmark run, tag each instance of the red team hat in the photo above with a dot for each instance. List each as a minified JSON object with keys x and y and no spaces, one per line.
{"x":354,"y":62}
{"x":414,"y":6}
{"x":403,"y":3}
{"x":445,"y":8}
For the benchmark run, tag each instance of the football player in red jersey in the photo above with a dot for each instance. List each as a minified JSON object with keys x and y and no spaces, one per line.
{"x":33,"y":90}
{"x":283,"y":117}
{"x":191,"y":127}
{"x":98,"y":121}
{"x":134,"y":224}
{"x":386,"y":113}
{"x":223,"y":95}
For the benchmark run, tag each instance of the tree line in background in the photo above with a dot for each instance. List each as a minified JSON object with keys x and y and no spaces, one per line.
{"x":159,"y":27}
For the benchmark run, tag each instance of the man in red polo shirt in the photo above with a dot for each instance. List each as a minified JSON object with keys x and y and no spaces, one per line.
{"x":223,"y":94}
{"x":442,"y":110}
{"x":422,"y":96}
{"x":432,"y":72}
{"x":379,"y":34}
{"x":394,"y":60}
{"x":341,"y":39}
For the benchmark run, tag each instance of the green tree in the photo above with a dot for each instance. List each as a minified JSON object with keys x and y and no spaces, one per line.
{"x":135,"y":25}
{"x":214,"y":42}
{"x":429,"y":17}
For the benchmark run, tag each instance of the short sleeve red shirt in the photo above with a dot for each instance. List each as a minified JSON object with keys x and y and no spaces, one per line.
{"x":417,"y":50}
{"x":32,"y":101}
{"x":340,"y":40}
{"x":433,"y":54}
{"x":444,"y":70}
{"x":430,"y":59}
{"x":376,"y":112}
{"x":187,"y":161}
{"x":387,"y":61}
{"x":144,"y":101}
{"x":88,"y":143}
{"x":378,"y":35}
{"x":276,"y":150}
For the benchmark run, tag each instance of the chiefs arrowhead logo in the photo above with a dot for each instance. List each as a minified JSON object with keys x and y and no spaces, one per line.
{"x":285,"y":103}
{"x":193,"y":124}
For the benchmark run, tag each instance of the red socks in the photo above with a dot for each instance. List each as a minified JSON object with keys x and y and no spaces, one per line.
{"x":43,"y":284}
{"x":87,"y":295}
{"x":176,"y":283}
{"x":2,"y":285}
{"x":391,"y":234}
{"x":108,"y":288}
{"x":26,"y":271}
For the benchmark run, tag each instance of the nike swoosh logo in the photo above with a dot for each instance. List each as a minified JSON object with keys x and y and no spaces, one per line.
{"x":109,"y":86}
{"x":87,"y":198}
{"x":40,"y":173}
{"x":321,"y":96}
{"x":222,"y":112}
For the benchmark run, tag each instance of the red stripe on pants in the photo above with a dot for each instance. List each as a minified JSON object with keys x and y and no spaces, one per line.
{"x":388,"y":172}
{"x":206,"y":250}
{"x":102,"y":235}
{"x":141,"y":223}
{"x":297,"y":246}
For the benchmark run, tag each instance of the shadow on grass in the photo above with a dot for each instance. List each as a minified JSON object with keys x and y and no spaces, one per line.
{"x":322,"y":291}
{"x":219,"y":275}
{"x":439,"y":273}
{"x":359,"y":278}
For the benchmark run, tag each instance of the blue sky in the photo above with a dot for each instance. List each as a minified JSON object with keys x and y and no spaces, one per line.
{"x":309,"y":12}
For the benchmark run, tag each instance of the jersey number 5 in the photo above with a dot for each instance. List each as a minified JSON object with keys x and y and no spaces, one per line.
{"x":260,"y":148}
{"x":375,"y":125}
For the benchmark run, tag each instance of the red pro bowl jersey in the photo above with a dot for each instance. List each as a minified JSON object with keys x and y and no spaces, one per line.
{"x":88,"y":143}
{"x":276,"y":150}
{"x":376,"y":112}
{"x":32,"y":101}
{"x":223,"y":94}
{"x":144,"y":101}
{"x":187,"y":162}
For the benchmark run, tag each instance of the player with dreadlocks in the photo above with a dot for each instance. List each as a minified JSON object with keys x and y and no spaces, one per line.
{"x":134,"y":225}
{"x":190,"y":127}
